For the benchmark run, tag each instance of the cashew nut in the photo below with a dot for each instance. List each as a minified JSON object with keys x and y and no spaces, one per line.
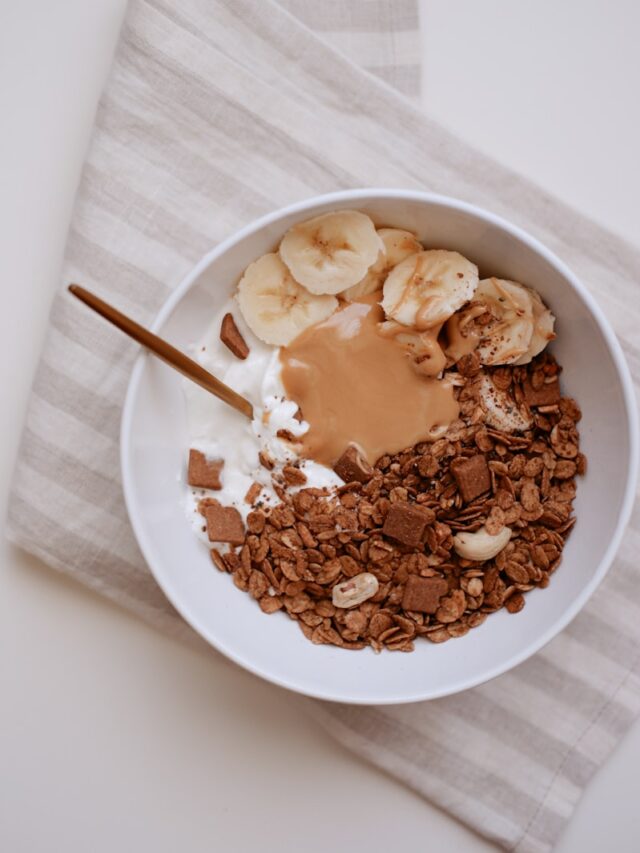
{"x":480,"y":546}
{"x":355,"y":590}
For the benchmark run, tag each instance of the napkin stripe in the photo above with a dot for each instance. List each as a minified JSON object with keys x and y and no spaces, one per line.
{"x":196,"y":93}
{"x":195,"y":136}
{"x":123,"y":581}
{"x":90,"y":486}
{"x":69,"y":396}
{"x":366,"y":33}
{"x":105,"y":346}
{"x":498,"y":805}
{"x":160,"y":225}
{"x":541,"y":747}
{"x":370,"y":16}
{"x":101,"y":264}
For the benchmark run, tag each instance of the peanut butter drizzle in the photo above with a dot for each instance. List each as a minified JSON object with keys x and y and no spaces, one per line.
{"x":463,"y":339}
{"x":424,"y":347}
{"x":355,"y":385}
{"x":432,"y":359}
{"x":423,"y":313}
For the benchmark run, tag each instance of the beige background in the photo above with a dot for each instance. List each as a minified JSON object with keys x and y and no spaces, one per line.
{"x":113,"y":737}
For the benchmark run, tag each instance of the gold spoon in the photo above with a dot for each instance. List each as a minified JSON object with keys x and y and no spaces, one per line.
{"x":169,"y":354}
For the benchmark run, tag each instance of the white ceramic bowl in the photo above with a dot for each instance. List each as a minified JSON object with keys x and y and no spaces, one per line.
{"x":154,"y":450}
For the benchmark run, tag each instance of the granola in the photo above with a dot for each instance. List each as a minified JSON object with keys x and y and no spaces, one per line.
{"x":398,"y":527}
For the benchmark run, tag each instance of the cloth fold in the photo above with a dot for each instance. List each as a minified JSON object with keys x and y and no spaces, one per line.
{"x":217,"y":112}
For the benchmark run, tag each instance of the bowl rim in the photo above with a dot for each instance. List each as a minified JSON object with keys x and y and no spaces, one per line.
{"x":615,"y":350}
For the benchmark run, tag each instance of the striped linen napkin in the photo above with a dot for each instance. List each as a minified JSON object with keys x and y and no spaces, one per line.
{"x":217,"y":112}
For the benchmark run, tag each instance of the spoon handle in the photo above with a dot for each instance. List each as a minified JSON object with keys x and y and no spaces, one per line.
{"x":164,"y":350}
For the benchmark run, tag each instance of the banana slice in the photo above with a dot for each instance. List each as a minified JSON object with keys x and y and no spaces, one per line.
{"x":507,"y":336}
{"x":276,"y":308}
{"x":398,"y":245}
{"x":425,"y":289}
{"x":501,"y":410}
{"x":543,"y":333}
{"x":331,"y":252}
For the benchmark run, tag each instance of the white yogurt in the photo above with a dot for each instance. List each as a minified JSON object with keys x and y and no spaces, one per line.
{"x":220,"y":432}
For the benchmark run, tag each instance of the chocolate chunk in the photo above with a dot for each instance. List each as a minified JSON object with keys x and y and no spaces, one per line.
{"x":224,"y":524}
{"x":231,"y":337}
{"x":423,"y":595}
{"x":547,"y":395}
{"x":353,"y":467}
{"x":204,"y":473}
{"x":406,"y":523}
{"x":472,"y":476}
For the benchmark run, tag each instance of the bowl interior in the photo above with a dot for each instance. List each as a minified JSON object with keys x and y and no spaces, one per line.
{"x":154,"y":453}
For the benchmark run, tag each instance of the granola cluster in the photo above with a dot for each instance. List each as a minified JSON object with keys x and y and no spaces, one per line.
{"x":397,"y":521}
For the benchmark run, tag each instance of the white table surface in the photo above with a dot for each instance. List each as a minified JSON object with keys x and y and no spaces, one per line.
{"x":114,"y":737}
